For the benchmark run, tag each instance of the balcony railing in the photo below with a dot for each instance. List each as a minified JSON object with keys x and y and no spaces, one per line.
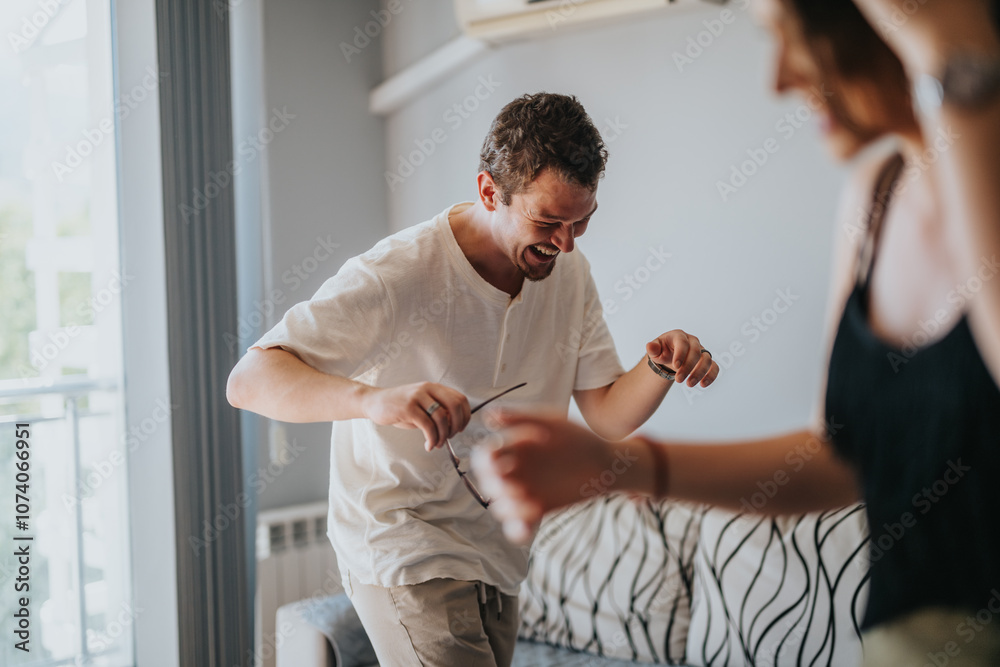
{"x":79,"y":564}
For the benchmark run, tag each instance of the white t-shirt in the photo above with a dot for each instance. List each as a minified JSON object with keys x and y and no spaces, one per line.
{"x":414,"y":309}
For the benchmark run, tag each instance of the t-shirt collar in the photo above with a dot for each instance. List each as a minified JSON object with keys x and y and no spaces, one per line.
{"x":464,"y":266}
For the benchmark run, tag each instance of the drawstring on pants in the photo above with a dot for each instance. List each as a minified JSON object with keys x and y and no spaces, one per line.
{"x":482,"y":598}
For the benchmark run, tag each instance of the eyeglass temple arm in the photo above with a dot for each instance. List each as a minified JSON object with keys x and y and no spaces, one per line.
{"x":503,"y":393}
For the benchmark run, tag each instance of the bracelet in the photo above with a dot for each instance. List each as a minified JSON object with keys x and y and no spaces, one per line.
{"x":661,"y":370}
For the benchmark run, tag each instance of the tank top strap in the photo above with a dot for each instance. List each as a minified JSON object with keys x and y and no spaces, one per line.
{"x":881,"y":197}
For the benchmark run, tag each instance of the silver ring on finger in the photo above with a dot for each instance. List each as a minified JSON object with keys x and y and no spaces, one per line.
{"x":434,"y":406}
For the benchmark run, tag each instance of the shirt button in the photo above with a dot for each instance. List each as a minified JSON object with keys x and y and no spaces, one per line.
{"x":503,"y":368}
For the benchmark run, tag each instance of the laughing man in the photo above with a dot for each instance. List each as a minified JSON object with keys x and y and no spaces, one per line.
{"x":404,"y":340}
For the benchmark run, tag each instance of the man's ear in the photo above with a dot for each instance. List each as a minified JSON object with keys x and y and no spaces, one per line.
{"x":489,"y":194}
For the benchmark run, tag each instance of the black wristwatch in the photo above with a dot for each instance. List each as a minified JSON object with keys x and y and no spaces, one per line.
{"x":969,"y":81}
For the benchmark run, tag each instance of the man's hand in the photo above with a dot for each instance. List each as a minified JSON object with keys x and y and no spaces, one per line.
{"x":684,"y":354}
{"x":407,"y":407}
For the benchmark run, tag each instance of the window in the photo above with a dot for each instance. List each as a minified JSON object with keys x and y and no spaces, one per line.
{"x":60,"y":333}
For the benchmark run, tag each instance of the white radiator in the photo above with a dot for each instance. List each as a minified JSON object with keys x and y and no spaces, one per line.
{"x":294,"y":561}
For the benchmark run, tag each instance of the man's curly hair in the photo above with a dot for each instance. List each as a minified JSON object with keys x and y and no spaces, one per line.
{"x":541,"y":131}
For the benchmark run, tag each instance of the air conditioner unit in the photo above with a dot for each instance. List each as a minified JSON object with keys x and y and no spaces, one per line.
{"x":499,"y":21}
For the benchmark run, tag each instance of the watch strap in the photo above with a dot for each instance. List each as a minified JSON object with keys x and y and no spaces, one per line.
{"x":661,"y":370}
{"x":968,"y":81}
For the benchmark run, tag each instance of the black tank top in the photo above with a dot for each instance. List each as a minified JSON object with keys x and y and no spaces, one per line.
{"x":921,"y":426}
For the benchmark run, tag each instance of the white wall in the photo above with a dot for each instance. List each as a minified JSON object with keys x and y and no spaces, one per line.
{"x":673,"y":133}
{"x":318,"y":177}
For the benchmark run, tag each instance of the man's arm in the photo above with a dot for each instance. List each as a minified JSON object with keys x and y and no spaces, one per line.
{"x":277,"y":384}
{"x":615,"y":410}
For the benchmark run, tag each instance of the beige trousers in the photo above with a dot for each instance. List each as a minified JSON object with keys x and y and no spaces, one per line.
{"x":439,"y":623}
{"x":936,"y":638}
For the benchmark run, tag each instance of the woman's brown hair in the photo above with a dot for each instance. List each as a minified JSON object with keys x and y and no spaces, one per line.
{"x":853,"y":56}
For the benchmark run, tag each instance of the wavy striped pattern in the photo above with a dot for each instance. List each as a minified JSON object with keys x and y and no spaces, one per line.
{"x":613,"y":577}
{"x":788,"y":591}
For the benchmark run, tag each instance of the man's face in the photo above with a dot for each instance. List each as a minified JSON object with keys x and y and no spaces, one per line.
{"x":542,"y":222}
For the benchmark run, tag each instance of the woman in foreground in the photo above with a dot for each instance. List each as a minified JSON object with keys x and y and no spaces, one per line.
{"x":912,"y":404}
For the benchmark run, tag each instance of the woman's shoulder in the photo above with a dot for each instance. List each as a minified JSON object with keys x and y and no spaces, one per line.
{"x":859,"y":197}
{"x":856,"y":204}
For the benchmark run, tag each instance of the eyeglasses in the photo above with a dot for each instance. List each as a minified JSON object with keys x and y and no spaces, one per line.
{"x":485,"y":502}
